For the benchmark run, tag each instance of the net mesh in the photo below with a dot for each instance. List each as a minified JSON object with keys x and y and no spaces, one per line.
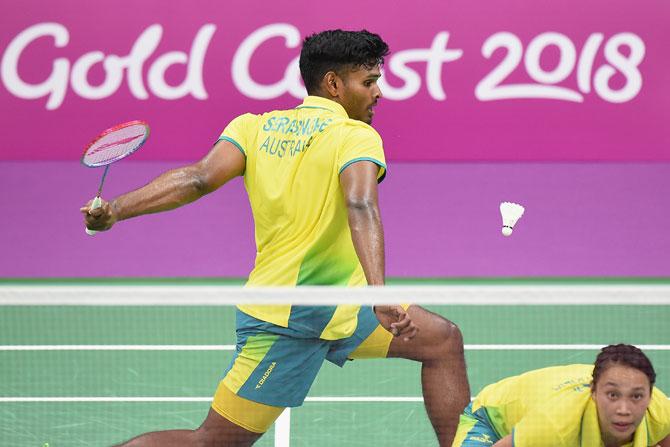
{"x":105,"y":362}
{"x":116,"y":144}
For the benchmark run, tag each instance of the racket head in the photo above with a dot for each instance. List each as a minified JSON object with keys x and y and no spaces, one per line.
{"x":115,"y":143}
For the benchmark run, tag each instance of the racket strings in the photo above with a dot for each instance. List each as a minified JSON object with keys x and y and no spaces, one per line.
{"x":115,"y":145}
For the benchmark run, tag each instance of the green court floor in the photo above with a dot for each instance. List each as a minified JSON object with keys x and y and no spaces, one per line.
{"x":95,"y":375}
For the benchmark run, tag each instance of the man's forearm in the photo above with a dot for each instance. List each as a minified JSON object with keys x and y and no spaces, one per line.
{"x":367,"y":235}
{"x":168,"y":191}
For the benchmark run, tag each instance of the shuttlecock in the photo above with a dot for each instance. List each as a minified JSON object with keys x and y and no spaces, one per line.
{"x":511,"y":213}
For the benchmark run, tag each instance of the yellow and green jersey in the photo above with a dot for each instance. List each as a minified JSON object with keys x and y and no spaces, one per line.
{"x":293,"y":162}
{"x":553,"y":407}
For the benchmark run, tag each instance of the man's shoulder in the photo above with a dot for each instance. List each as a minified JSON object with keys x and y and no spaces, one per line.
{"x":245,"y":118}
{"x":359,"y":129}
{"x":357,"y":124}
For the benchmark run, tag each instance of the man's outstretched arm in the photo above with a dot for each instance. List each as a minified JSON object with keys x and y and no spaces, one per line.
{"x":171,"y":189}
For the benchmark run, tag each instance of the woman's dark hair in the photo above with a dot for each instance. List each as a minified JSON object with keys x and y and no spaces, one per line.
{"x":626,"y":355}
{"x":334,"y":50}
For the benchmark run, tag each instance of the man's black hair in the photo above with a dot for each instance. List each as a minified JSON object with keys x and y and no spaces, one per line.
{"x":335,"y":50}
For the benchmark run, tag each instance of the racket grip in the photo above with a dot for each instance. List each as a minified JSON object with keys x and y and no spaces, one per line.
{"x":95,"y":204}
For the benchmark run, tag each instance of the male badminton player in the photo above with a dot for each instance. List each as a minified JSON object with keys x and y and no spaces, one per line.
{"x":311,"y":174}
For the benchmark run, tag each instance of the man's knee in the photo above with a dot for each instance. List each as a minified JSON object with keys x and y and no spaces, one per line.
{"x":438,"y":338}
{"x":447,"y":337}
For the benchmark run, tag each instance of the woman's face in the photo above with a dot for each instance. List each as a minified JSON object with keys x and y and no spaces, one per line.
{"x":622,"y":396}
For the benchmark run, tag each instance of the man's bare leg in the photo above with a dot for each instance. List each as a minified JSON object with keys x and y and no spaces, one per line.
{"x":215,"y":431}
{"x":439,"y":347}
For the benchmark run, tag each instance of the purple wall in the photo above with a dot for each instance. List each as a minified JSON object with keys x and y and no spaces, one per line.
{"x":571,"y":99}
{"x":440,"y":220}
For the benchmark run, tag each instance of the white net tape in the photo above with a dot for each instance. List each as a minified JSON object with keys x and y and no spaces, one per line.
{"x":550,"y":294}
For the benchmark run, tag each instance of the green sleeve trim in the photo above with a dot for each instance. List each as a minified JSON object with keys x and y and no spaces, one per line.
{"x":237,"y":145}
{"x":377,"y":162}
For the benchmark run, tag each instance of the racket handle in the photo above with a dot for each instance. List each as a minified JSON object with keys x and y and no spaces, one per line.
{"x":95,"y":204}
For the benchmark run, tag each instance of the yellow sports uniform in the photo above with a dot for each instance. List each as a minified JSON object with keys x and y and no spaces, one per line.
{"x":550,"y":407}
{"x":293,"y":162}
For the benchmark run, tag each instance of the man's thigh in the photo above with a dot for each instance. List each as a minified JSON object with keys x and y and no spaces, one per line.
{"x":435,"y":333}
{"x":269,"y":371}
{"x":377,"y":343}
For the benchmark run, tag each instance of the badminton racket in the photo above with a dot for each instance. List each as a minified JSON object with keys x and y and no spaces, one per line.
{"x":110,"y":146}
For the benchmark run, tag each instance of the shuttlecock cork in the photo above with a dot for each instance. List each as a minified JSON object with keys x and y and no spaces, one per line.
{"x":511,"y":213}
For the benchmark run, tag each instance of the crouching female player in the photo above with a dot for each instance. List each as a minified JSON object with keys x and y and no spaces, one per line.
{"x":612,"y":403}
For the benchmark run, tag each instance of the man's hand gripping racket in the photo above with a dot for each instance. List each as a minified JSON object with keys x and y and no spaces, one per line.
{"x":110,"y":146}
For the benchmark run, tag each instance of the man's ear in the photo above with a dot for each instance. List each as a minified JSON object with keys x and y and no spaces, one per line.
{"x":332,"y":84}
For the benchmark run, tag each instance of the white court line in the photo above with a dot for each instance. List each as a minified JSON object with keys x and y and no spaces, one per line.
{"x":527,"y":347}
{"x":551,"y":294}
{"x":283,"y":429}
{"x":487,"y":347}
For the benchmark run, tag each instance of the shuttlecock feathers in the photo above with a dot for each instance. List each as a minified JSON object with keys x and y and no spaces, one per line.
{"x":511,"y":213}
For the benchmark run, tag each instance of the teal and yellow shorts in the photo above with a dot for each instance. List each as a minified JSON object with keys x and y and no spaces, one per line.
{"x":274,"y":367}
{"x":475,"y":429}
